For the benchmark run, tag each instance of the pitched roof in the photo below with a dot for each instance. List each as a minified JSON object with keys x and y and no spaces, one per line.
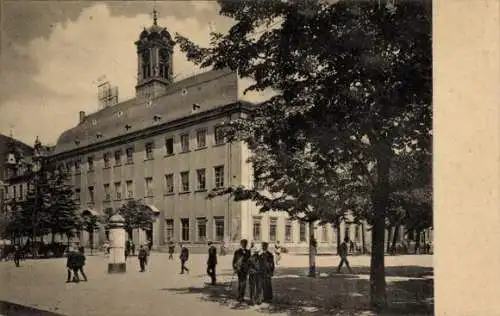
{"x":209,"y":90}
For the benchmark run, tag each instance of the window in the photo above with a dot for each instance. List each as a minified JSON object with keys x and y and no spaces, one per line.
{"x":130,"y":189}
{"x":169,"y":146}
{"x":130,"y":155}
{"x":201,"y":138}
{"x":91,"y":194}
{"x":185,"y":181}
{"x":218,"y":135}
{"x":256,"y":229}
{"x":149,"y":151}
{"x":302,"y":232}
{"x":185,"y":229}
{"x":200,"y":175}
{"x":219,"y":228}
{"x":324,"y":233}
{"x":90,"y":162}
{"x":106,"y":160}
{"x":202,"y":229}
{"x":273,"y":224}
{"x":184,"y":143}
{"x":77,"y":166}
{"x":118,"y":157}
{"x":288,"y":230}
{"x":107,"y":193}
{"x":118,"y":191}
{"x":169,"y":183}
{"x":219,"y":176}
{"x":170,"y":229}
{"x":149,"y":186}
{"x":77,"y":194}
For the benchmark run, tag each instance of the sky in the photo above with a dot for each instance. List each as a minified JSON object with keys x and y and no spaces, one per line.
{"x":53,"y":52}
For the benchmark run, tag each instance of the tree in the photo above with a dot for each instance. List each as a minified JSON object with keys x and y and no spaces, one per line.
{"x":136,"y":215}
{"x":354,"y":78}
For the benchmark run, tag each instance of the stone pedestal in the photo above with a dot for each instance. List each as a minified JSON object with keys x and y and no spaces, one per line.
{"x":116,"y":261}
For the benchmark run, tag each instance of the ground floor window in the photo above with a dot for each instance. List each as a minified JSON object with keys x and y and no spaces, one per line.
{"x":302,"y":232}
{"x":185,"y":229}
{"x":256,"y":228}
{"x":170,"y":229}
{"x":219,"y":228}
{"x":202,"y":229}
{"x":288,"y":230}
{"x":273,"y":226}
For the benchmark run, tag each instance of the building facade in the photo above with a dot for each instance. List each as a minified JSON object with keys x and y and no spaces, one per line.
{"x":163,"y":147}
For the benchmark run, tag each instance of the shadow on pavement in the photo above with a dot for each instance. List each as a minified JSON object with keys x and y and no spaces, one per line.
{"x":12,"y":309}
{"x":336,"y":294}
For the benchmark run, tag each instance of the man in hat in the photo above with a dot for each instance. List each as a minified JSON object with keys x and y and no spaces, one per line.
{"x":212,"y":262}
{"x":343,"y":251}
{"x":255,"y":275}
{"x":184,"y":256}
{"x":268,"y":272}
{"x":143,"y":258}
{"x":240,"y":267}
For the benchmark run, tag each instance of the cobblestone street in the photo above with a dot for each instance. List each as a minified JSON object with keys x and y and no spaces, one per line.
{"x":163,"y":291}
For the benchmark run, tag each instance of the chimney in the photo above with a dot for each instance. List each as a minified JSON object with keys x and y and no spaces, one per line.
{"x":82,"y":116}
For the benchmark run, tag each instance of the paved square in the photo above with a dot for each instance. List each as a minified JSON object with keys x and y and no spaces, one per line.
{"x":161,"y":290}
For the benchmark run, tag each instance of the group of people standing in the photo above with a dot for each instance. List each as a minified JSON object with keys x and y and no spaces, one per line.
{"x":257,"y":266}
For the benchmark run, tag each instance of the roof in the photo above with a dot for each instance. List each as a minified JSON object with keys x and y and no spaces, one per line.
{"x":209,"y":90}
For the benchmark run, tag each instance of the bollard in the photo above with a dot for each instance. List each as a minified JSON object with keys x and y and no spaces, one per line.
{"x":116,"y":262}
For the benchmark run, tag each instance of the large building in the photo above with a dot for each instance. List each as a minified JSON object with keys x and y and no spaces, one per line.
{"x":163,"y":147}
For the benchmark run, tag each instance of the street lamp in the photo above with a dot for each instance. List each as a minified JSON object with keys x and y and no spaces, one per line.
{"x":36,"y":167}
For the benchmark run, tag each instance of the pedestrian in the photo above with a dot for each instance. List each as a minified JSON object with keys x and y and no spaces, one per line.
{"x":184,"y":258}
{"x":277,"y":252}
{"x":255,"y":276}
{"x":268,"y":272}
{"x":212,"y":262}
{"x":71,"y":264}
{"x":150,"y":244}
{"x":17,"y":255}
{"x":343,"y":251}
{"x":143,"y":258}
{"x":79,"y":263}
{"x":240,"y":267}
{"x":132,"y":247}
{"x":171,"y":250}
{"x":223,"y":249}
{"x":127,"y":249}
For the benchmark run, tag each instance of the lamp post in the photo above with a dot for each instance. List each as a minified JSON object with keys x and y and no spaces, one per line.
{"x":36,"y":167}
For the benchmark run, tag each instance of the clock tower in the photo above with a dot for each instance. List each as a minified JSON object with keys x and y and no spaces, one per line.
{"x":155,"y":49}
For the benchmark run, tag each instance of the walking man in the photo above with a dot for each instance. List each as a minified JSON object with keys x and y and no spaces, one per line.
{"x":343,"y":251}
{"x":240,"y":267}
{"x":17,"y":255}
{"x":212,"y":262}
{"x":79,"y":263}
{"x":184,"y":258}
{"x":171,"y":249}
{"x":255,"y":276}
{"x":268,"y":272}
{"x":71,"y":264}
{"x":143,"y":258}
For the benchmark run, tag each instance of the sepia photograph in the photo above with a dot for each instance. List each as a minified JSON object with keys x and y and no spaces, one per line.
{"x":216,"y":158}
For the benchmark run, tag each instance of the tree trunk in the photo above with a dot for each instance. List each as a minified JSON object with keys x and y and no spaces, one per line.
{"x":91,"y":241}
{"x":363,"y":242}
{"x":389,"y":235}
{"x":395,"y":237}
{"x":417,"y":242}
{"x":380,"y":202}
{"x":312,"y":251}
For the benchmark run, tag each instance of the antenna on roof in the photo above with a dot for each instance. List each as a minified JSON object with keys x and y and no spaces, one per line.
{"x":107,"y":95}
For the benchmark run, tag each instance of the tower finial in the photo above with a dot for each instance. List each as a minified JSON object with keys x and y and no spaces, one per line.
{"x":155,"y":17}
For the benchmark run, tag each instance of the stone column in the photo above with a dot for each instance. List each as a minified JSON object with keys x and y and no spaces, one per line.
{"x":117,"y":263}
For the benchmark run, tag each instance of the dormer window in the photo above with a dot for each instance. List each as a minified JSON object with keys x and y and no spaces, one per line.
{"x":77,"y":142}
{"x":94,"y":122}
{"x":156,"y":118}
{"x":196,"y":107}
{"x":149,"y":104}
{"x":119,"y":113}
{"x":184,"y":91}
{"x":99,"y":135}
{"x":127,"y":127}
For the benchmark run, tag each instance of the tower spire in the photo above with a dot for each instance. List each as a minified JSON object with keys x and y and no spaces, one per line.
{"x":155,"y":17}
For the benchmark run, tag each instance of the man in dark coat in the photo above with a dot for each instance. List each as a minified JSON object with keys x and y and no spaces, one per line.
{"x":240,"y":267}
{"x":143,"y":258}
{"x":212,"y":262}
{"x":71,"y":263}
{"x":255,"y":276}
{"x":268,"y":272}
{"x":17,"y":255}
{"x":343,"y":251}
{"x":79,"y":263}
{"x":184,"y":258}
{"x":171,"y":250}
